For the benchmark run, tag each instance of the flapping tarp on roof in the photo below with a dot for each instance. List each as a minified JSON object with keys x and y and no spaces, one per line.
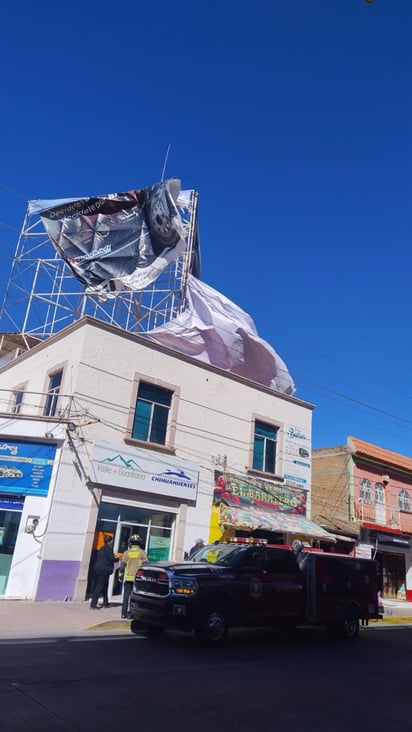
{"x":215,"y":330}
{"x":117,"y":241}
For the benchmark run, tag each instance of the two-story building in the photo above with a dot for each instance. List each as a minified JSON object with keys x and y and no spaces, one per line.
{"x":365,"y":492}
{"x":103,"y":431}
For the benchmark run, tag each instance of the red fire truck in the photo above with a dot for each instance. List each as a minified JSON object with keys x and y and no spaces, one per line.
{"x":243,"y":583}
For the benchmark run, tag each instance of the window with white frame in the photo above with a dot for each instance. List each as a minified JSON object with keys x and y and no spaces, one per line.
{"x":152,"y":411}
{"x":264,"y":447}
{"x":404,"y":501}
{"x":379,"y":493}
{"x":53,"y":391}
{"x":365,"y":490}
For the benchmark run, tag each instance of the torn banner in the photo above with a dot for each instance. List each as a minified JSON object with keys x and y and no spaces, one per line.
{"x":216,"y":331}
{"x":122,"y":240}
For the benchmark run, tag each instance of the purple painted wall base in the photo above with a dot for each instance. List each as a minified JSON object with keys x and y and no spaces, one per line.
{"x":57,"y":580}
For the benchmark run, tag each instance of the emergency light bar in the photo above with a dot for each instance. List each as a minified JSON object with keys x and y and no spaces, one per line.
{"x":244,"y":540}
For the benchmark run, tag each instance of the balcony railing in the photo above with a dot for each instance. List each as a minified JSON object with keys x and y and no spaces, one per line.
{"x":381,"y":513}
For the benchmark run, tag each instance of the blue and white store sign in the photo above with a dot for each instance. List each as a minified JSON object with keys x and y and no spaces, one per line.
{"x":139,"y":470}
{"x":26,"y":467}
{"x":297,"y":457}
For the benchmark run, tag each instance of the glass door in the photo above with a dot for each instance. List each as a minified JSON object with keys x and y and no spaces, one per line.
{"x":9,"y":526}
{"x":121,"y":542}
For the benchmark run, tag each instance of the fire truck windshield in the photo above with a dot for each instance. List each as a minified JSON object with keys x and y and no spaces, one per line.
{"x":222,"y":554}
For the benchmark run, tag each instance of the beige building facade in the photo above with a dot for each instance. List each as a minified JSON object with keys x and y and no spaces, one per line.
{"x":105,"y":432}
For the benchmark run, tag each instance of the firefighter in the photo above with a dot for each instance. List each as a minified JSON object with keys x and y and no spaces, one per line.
{"x":132,"y":559}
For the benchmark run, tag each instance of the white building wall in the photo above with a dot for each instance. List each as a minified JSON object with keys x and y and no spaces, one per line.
{"x":101,"y":364}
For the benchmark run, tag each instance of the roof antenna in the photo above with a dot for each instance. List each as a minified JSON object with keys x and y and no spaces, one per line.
{"x":165,"y":162}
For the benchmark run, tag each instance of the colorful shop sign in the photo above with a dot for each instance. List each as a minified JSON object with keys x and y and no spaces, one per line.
{"x":245,"y":490}
{"x":26,"y":467}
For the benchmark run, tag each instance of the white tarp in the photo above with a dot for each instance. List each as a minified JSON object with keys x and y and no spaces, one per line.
{"x":216,"y":331}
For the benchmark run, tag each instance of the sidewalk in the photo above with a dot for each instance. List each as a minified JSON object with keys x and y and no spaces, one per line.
{"x":397,"y":611}
{"x":20,"y":618}
{"x":25,"y":618}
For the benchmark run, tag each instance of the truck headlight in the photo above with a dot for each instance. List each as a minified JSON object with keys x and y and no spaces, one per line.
{"x":183,"y":586}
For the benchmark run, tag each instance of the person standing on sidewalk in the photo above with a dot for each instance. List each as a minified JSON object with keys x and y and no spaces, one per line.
{"x":102,"y":571}
{"x":132,"y":559}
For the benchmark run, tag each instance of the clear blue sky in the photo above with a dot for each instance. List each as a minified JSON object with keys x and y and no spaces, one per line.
{"x":292,"y":119}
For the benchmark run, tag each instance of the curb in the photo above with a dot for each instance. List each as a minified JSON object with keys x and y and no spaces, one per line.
{"x":110,"y":625}
{"x":396,"y":619}
{"x":125,"y":624}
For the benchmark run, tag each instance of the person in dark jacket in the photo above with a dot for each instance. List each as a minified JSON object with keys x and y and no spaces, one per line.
{"x":199,"y":545}
{"x":102,"y":571}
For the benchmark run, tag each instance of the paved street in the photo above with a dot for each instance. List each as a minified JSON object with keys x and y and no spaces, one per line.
{"x":259,"y":680}
{"x":20,"y":618}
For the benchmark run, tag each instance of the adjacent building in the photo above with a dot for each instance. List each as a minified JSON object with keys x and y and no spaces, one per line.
{"x":363,"y":493}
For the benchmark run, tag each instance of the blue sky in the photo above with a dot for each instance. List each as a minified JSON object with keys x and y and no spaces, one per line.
{"x":291,"y":118}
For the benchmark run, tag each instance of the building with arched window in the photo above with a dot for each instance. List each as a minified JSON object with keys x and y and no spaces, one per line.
{"x":364,"y":490}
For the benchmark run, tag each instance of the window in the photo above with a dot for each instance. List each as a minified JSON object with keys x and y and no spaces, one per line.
{"x":404,"y":501}
{"x":17,"y":401}
{"x":50,"y":407}
{"x":152,"y":413}
{"x":254,"y":559}
{"x":365,"y":491}
{"x":282,"y":562}
{"x":264,"y":447}
{"x":379,"y":493}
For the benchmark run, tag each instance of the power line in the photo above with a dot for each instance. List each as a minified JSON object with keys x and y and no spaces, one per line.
{"x":14,"y":193}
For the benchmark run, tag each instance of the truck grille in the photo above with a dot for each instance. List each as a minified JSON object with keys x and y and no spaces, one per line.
{"x":152,"y":582}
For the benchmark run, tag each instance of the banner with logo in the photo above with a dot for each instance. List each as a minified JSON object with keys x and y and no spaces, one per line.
{"x":26,"y":467}
{"x":139,"y":470}
{"x":117,"y":241}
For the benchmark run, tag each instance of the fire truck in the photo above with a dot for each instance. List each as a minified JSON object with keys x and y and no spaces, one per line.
{"x":246,"y":583}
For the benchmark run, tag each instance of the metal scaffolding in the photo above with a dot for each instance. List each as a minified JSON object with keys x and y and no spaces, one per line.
{"x":42,"y":296}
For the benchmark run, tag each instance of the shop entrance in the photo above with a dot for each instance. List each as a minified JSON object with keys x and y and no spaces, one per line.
{"x":155,"y":528}
{"x":9,"y":526}
{"x":392,"y":570}
{"x":121,"y":542}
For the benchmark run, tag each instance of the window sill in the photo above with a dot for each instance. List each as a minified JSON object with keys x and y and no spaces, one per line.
{"x":265,"y":476}
{"x":154,"y":446}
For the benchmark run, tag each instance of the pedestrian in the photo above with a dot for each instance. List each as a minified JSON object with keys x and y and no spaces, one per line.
{"x":132,"y":559}
{"x":103,"y":568}
{"x":199,"y":545}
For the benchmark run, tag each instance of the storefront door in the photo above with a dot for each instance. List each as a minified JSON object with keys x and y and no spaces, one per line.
{"x":121,"y":542}
{"x":9,"y":526}
{"x":393,"y":575}
{"x":154,"y":527}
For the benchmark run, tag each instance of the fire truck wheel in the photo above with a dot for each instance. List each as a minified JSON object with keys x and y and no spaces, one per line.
{"x":212,"y":626}
{"x":348,"y":629}
{"x":136,"y":627}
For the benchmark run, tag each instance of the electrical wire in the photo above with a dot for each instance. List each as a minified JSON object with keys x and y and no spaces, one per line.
{"x":323,"y":389}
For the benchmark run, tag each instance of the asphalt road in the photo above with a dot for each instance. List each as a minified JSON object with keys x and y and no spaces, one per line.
{"x":259,"y":681}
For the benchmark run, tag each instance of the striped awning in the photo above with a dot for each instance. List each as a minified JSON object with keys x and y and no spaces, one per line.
{"x":249,"y":519}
